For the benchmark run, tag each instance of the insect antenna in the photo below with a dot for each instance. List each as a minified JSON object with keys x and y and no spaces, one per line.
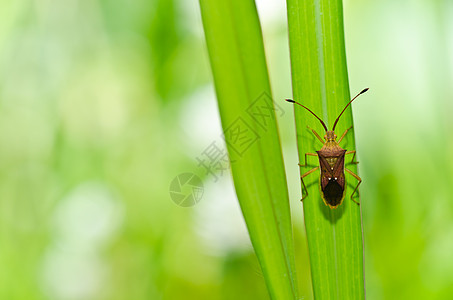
{"x":336,"y":121}
{"x":324,"y":125}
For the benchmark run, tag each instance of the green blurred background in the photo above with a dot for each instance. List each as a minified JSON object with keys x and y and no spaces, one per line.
{"x":103,"y":103}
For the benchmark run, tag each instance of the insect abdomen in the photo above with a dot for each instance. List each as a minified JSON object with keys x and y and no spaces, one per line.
{"x":333,"y":194}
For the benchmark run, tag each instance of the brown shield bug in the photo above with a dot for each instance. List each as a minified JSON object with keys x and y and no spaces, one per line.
{"x":331,"y":161}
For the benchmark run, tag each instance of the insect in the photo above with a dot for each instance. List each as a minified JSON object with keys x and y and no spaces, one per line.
{"x":331,"y":161}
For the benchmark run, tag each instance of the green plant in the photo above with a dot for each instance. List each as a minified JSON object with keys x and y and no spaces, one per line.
{"x":320,"y":81}
{"x":236,"y":52}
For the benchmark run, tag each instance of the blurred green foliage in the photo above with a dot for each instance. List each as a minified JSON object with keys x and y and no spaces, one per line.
{"x":103,"y":103}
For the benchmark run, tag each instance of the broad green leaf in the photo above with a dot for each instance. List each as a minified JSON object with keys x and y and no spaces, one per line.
{"x":320,"y":82}
{"x":236,"y":52}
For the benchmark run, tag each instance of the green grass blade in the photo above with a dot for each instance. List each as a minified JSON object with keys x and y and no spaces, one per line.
{"x":320,"y":82}
{"x":236,"y":51}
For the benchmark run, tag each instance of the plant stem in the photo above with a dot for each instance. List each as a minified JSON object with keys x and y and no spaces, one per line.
{"x":320,"y":82}
{"x":236,"y":51}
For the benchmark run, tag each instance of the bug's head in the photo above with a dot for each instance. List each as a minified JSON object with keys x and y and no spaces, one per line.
{"x":330,"y":135}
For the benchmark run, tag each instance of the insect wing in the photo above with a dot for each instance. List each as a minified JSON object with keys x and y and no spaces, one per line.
{"x":326,"y":171}
{"x":338,"y":170}
{"x":333,"y":188}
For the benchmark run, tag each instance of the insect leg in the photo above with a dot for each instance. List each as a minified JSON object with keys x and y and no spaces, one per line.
{"x":311,"y":154}
{"x":316,"y":134}
{"x":360,"y":181}
{"x":303,"y":183}
{"x":352,"y":160}
{"x":344,"y":133}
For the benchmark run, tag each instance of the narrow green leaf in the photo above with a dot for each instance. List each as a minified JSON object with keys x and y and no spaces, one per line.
{"x":320,"y":82}
{"x":236,"y":52}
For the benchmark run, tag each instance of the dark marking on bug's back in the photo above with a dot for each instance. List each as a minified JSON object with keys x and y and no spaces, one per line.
{"x":333,"y":193}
